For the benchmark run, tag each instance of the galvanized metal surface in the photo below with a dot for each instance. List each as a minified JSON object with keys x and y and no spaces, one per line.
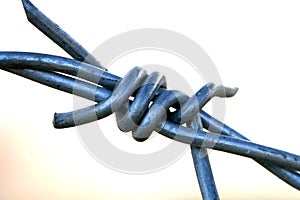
{"x":86,"y":77}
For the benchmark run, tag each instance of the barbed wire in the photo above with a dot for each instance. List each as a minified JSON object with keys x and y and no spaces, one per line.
{"x":86,"y":77}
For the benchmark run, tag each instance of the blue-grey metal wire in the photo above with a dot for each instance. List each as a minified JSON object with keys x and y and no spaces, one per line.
{"x":58,"y":35}
{"x":90,"y":80}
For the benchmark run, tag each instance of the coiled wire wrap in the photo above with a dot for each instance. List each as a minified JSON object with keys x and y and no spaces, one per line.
{"x":86,"y":77}
{"x":43,"y":68}
{"x":139,"y":117}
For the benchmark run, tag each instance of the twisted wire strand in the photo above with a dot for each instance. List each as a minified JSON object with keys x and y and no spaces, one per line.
{"x":85,"y":80}
{"x":167,"y":128}
{"x":56,"y":34}
{"x":67,"y":84}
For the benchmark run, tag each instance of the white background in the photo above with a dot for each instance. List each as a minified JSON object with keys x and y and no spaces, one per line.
{"x":255,"y":46}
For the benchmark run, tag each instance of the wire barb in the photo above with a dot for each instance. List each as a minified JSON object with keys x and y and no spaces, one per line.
{"x":58,"y":35}
{"x":148,"y":111}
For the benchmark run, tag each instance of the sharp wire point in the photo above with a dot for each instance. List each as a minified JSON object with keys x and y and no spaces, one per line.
{"x":112,"y":95}
{"x":58,"y":35}
{"x":230,"y":92}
